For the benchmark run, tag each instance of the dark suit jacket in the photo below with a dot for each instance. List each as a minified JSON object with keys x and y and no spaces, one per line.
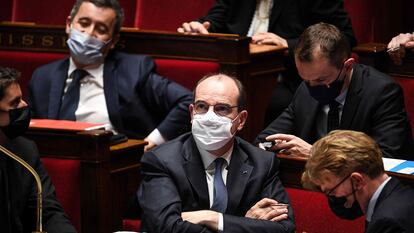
{"x":393,"y":212}
{"x":174,"y":181}
{"x":289,"y":18}
{"x":19,"y":192}
{"x":374,"y":105}
{"x":138,"y":100}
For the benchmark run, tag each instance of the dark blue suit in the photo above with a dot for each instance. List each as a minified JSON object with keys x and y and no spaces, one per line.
{"x":374,"y":105}
{"x":175,"y":181}
{"x":138,"y":100}
{"x":394,"y":209}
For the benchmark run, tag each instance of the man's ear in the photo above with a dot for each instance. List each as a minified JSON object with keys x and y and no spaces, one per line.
{"x":358,"y":180}
{"x":191,"y":110}
{"x":114,"y":41}
{"x":349,"y":63}
{"x":68,"y":23}
{"x":243,"y":118}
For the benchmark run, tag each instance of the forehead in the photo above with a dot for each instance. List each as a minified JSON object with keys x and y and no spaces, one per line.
{"x":327,"y":180}
{"x":217,"y":90}
{"x":12,"y":92}
{"x":88,"y":10}
{"x":319,"y":68}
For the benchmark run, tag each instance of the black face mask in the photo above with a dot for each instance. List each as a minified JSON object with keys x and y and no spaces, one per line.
{"x":337,"y":205}
{"x":323,"y":94}
{"x":19,"y":122}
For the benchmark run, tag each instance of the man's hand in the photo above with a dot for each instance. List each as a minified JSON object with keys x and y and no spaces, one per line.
{"x":290,"y":144}
{"x":194,"y":27}
{"x":268,"y":209}
{"x":269,"y":38}
{"x":207,"y":218}
{"x":150,"y":145}
{"x":396,"y":47}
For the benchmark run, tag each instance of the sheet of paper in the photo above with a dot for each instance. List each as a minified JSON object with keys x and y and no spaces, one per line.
{"x":407,"y":170}
{"x":391,"y":163}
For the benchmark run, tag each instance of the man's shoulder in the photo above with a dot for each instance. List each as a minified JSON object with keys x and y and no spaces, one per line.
{"x":174,"y":149}
{"x":58,"y":64}
{"x":254,"y":151}
{"x":123,"y":57}
{"x":372,"y":76}
{"x":24,"y":148}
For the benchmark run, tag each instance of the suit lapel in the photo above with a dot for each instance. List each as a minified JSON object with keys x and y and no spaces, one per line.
{"x":386,"y":191}
{"x":308,"y":130}
{"x":56,"y":89}
{"x":111,"y":92}
{"x":275,"y":13}
{"x":353,"y":100}
{"x":195,"y":171}
{"x":238,"y":174}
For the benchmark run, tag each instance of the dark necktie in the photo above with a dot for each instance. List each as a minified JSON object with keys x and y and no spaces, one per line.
{"x":333,"y":116}
{"x":366,"y":225}
{"x":71,"y":99}
{"x":220,"y":190}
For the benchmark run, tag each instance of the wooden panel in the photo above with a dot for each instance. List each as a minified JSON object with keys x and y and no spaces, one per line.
{"x":109,"y":175}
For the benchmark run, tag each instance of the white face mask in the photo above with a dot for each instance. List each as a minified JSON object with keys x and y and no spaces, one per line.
{"x":211,"y":132}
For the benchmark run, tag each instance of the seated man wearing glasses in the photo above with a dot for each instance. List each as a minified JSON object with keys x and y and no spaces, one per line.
{"x":209,"y":180}
{"x":347,"y":166}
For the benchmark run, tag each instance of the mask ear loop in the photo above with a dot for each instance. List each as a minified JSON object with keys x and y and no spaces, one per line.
{"x":353,"y":189}
{"x":339,"y":75}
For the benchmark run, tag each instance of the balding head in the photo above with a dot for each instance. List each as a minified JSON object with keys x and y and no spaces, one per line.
{"x":230,"y":85}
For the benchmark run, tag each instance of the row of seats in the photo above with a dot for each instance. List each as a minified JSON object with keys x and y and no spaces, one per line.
{"x":145,"y":14}
{"x":162,"y":14}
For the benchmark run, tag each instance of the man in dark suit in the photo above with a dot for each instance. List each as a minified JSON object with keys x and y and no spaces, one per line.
{"x":102,"y":86}
{"x":360,"y":97}
{"x":277,"y":22}
{"x":18,"y":190}
{"x":347,"y":166}
{"x":211,"y":180}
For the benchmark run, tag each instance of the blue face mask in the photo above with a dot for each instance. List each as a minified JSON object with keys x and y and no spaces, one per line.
{"x":84,"y":49}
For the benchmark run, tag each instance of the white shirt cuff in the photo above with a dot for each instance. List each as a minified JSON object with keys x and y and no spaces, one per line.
{"x":220,"y":226}
{"x":156,"y":137}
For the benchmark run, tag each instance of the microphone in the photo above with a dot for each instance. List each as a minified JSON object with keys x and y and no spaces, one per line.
{"x":39,"y":187}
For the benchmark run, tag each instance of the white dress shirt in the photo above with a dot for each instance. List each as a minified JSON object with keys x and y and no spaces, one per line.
{"x":260,"y":21}
{"x":209,"y":166}
{"x":92,"y":103}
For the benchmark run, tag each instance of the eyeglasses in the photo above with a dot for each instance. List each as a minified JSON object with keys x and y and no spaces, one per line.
{"x":336,"y":186}
{"x":201,"y":107}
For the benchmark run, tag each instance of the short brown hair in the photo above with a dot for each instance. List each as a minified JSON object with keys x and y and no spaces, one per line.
{"x":323,"y":40}
{"x":342,"y":152}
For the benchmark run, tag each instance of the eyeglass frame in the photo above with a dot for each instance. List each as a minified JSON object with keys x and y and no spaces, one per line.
{"x":337,"y":185}
{"x":214,"y":107}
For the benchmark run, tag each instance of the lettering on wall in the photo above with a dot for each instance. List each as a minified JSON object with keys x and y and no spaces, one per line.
{"x":32,"y":41}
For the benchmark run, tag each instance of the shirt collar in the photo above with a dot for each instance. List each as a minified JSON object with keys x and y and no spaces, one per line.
{"x":95,"y":72}
{"x":374,"y":199}
{"x":342,"y":97}
{"x":208,"y":158}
